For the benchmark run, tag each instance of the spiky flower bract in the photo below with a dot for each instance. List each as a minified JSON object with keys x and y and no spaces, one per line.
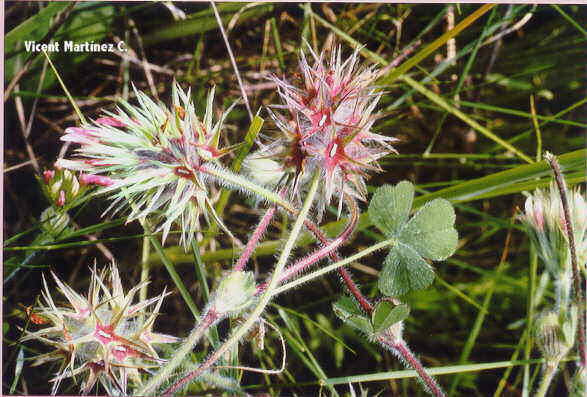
{"x":153,"y":155}
{"x":102,"y":337}
{"x":326,"y":121}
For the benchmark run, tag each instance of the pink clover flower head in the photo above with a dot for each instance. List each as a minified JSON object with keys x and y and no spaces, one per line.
{"x":545,"y":223}
{"x":151,"y":155}
{"x":325,"y":120}
{"x":100,"y":337}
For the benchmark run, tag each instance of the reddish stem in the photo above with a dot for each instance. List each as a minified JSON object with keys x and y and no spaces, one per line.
{"x":346,"y":277}
{"x":395,"y":62}
{"x":405,"y":353}
{"x":579,"y":293}
{"x":319,"y":254}
{"x":254,"y":240}
{"x":400,"y":347}
{"x":354,"y":289}
{"x":195,"y":335}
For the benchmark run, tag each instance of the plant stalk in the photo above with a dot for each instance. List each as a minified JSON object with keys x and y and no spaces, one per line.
{"x":334,"y":266}
{"x":405,"y":353}
{"x":547,"y":376}
{"x":254,"y":240}
{"x":321,"y":253}
{"x":209,"y":319}
{"x":578,"y":291}
{"x":263,"y":300}
{"x":346,"y":277}
{"x":225,"y":176}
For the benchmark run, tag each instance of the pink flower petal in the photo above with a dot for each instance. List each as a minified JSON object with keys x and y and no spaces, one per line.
{"x":48,"y":175}
{"x":61,"y":200}
{"x":89,"y":179}
{"x":110,"y":121}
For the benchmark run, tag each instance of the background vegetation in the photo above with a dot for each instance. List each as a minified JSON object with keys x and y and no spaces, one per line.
{"x":517,"y":72}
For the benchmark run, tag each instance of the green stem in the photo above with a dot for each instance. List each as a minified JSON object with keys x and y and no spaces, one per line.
{"x":264,"y":299}
{"x":163,"y":374}
{"x":79,"y":113}
{"x":145,"y":267}
{"x":228,"y":177}
{"x":172,"y":272}
{"x":334,"y":266}
{"x":547,"y":376}
{"x":168,"y":265}
{"x":571,"y":20}
{"x":199,"y":268}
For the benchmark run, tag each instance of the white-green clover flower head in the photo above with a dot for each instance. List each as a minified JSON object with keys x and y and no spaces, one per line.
{"x":153,"y":155}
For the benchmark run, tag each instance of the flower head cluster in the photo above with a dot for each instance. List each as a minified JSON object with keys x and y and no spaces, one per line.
{"x":153,"y":156}
{"x":102,"y":337}
{"x":545,"y":221}
{"x":326,"y":121}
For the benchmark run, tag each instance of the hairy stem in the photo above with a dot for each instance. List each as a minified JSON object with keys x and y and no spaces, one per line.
{"x":228,"y":177}
{"x":320,"y":253}
{"x":263,"y":300}
{"x":329,"y":249}
{"x":254,"y":240}
{"x":399,"y":347}
{"x":209,"y":319}
{"x":346,"y":277}
{"x":334,"y":266}
{"x":579,"y":293}
{"x":354,"y":289}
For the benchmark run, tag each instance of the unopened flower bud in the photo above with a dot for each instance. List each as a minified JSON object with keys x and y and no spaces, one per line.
{"x":555,"y":337}
{"x":48,"y":175}
{"x":61,"y":186}
{"x":56,"y":187}
{"x":545,"y":222}
{"x":74,"y":186}
{"x":54,"y":222}
{"x":263,"y":171}
{"x":61,"y":200}
{"x":235,"y":292}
